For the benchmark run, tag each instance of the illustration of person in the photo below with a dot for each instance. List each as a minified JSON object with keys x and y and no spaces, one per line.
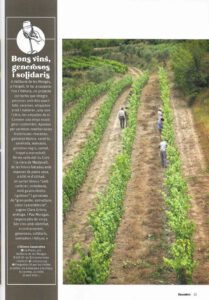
{"x":33,"y":36}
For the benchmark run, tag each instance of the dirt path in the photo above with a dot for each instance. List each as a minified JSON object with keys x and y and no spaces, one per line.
{"x":81,"y":133}
{"x":138,"y":255}
{"x":76,"y":228}
{"x":134,"y":71}
{"x":194,"y":168}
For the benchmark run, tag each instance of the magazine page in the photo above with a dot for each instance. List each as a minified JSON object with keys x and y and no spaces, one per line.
{"x":135,"y":149}
{"x":104,"y":149}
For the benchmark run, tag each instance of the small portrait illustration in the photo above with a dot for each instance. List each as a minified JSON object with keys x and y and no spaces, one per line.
{"x":30,"y":39}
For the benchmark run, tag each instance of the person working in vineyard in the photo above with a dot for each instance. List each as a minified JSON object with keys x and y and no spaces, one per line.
{"x":162,"y":146}
{"x":121,"y":116}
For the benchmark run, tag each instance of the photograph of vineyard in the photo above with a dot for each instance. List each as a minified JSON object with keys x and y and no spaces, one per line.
{"x":126,"y":219}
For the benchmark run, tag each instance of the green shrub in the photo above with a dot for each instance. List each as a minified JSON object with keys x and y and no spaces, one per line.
{"x":99,"y":74}
{"x":188,"y":65}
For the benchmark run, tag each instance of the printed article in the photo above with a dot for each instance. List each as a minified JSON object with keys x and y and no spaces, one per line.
{"x":104,"y":150}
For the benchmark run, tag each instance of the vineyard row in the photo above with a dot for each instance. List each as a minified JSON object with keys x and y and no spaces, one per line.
{"x":72,"y":94}
{"x":176,"y":196}
{"x":93,"y":266}
{"x":82,"y":63}
{"x":75,"y":114}
{"x":76,"y":174}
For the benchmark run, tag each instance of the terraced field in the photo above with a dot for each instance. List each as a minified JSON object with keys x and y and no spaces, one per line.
{"x":128,"y":220}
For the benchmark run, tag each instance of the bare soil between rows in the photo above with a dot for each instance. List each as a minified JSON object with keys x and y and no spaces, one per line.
{"x":195,"y":171}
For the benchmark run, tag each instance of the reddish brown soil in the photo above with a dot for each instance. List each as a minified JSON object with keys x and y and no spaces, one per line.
{"x":194,"y":168}
{"x":76,"y":227}
{"x":139,"y":245}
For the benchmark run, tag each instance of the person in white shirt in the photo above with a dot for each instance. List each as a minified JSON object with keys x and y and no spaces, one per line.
{"x":121,"y":116}
{"x":162,"y":147}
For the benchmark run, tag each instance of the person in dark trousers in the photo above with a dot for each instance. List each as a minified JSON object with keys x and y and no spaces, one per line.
{"x":163,"y":156}
{"x":121,"y":116}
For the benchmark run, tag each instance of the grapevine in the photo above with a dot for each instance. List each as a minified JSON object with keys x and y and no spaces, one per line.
{"x":176,"y":196}
{"x":82,"y":63}
{"x":93,"y":267}
{"x":76,"y":174}
{"x":72,"y":119}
